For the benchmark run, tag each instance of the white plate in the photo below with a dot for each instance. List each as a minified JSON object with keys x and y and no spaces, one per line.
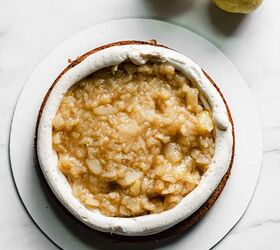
{"x":232,"y":203}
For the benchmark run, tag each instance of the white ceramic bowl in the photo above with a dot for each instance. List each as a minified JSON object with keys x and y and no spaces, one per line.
{"x":138,"y":53}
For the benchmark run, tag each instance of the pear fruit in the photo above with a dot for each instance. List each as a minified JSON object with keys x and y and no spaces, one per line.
{"x":238,"y":6}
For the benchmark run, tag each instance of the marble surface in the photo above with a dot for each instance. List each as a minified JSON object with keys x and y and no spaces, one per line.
{"x":30,"y":29}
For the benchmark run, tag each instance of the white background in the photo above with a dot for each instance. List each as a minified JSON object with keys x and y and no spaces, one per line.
{"x":29,"y":30}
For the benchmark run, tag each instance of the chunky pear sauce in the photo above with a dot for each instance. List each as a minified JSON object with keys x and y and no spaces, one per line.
{"x":133,"y":140}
